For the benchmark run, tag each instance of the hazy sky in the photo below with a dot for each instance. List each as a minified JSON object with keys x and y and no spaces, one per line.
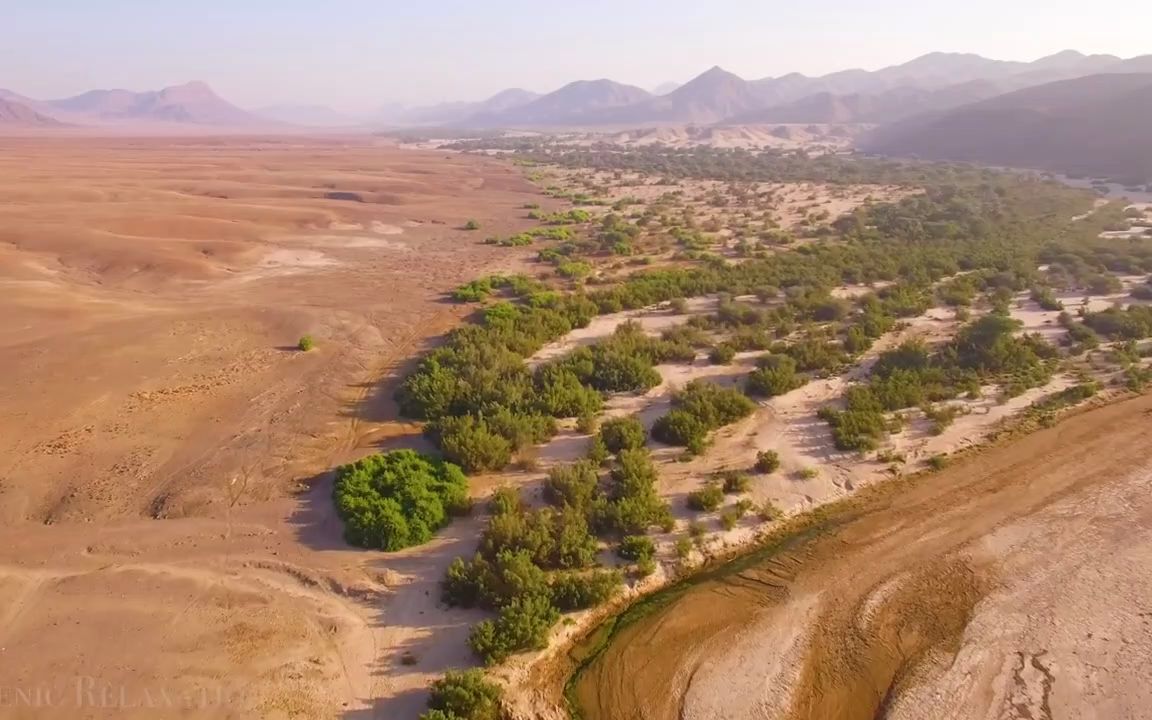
{"x":358,"y":54}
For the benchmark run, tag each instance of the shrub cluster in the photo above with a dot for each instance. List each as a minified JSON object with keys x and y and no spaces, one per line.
{"x":774,"y":375}
{"x":534,"y":564}
{"x":985,"y":350}
{"x":1135,"y":323}
{"x":706,"y":499}
{"x":620,"y":434}
{"x":698,"y":409}
{"x":464,"y":695}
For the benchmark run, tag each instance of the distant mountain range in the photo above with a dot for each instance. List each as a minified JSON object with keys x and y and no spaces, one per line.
{"x":191,"y":104}
{"x":578,"y":103}
{"x":933,"y":83}
{"x":1098,"y":126}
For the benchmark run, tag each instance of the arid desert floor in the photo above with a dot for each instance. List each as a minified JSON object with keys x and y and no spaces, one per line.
{"x":159,"y":423}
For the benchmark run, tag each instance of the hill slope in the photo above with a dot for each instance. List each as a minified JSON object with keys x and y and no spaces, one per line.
{"x":711,"y":97}
{"x":876,"y":108}
{"x":1095,"y":125}
{"x":14,"y":114}
{"x":576,"y":103}
{"x":193,"y":103}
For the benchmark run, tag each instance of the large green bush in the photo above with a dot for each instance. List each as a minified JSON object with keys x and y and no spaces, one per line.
{"x":398,"y":499}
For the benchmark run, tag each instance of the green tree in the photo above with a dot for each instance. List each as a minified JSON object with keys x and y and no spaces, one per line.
{"x":398,"y":499}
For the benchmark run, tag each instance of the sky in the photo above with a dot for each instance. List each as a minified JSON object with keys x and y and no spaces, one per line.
{"x":355,"y":55}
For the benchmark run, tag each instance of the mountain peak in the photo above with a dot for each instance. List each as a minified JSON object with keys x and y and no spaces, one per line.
{"x":1070,"y":59}
{"x":715,"y":73}
{"x":1063,"y":55}
{"x":195,"y":89}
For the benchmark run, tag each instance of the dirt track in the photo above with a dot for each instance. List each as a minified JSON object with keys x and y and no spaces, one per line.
{"x":1012,"y":585}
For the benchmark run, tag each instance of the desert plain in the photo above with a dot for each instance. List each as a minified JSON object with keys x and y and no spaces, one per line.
{"x":164,"y":522}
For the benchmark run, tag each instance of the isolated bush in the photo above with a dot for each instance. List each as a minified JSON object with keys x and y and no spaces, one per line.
{"x":767,"y":461}
{"x":398,"y":499}
{"x":716,"y":406}
{"x":306,"y":343}
{"x":734,"y":482}
{"x":471,"y":225}
{"x":464,"y":695}
{"x":937,"y":462}
{"x":769,"y":512}
{"x":625,"y":433}
{"x":707,"y":498}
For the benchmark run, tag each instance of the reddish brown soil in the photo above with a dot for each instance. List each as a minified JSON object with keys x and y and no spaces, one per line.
{"x":153,"y":292}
